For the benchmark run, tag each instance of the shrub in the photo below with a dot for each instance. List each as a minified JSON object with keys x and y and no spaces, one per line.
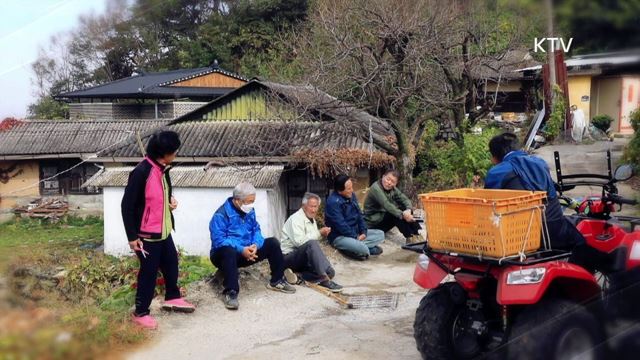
{"x":602,"y":122}
{"x":558,"y":113}
{"x":632,"y":151}
{"x":446,"y":165}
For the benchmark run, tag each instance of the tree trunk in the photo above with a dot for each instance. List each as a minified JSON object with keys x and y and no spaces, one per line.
{"x":406,"y":164}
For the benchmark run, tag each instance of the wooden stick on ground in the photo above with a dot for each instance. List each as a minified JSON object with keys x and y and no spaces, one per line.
{"x":335,"y":296}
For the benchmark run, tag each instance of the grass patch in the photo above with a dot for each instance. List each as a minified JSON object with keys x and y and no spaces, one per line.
{"x":66,"y":299}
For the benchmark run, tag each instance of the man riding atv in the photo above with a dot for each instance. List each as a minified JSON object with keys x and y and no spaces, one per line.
{"x":515,"y":170}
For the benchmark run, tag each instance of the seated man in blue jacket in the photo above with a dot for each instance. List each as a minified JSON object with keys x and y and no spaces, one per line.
{"x":236,"y":241}
{"x":516,"y":170}
{"x":349,"y":232}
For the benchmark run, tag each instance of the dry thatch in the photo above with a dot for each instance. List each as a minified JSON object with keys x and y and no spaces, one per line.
{"x":329,"y":162}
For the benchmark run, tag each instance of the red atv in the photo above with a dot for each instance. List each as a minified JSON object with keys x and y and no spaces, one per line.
{"x":541,"y":307}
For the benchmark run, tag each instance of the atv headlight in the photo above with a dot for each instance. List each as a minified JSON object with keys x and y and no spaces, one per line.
{"x":635,"y":251}
{"x":526,"y":276}
{"x":423,"y":261}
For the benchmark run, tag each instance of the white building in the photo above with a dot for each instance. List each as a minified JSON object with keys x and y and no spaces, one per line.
{"x":199,"y":193}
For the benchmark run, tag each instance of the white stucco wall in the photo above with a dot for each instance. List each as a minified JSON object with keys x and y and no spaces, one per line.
{"x":196,"y":206}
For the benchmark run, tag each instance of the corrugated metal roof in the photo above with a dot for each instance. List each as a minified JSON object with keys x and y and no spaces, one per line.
{"x":240,"y":138}
{"x":40,"y":137}
{"x":598,"y":60}
{"x":261,"y":176}
{"x":152,"y":85}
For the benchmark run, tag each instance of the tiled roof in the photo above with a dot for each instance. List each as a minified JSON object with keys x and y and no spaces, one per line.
{"x":264,"y":176}
{"x":59,"y":137}
{"x":154,"y":85}
{"x":215,"y":139}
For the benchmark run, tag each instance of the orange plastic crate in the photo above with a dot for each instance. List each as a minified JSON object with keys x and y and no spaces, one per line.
{"x":484,"y":222}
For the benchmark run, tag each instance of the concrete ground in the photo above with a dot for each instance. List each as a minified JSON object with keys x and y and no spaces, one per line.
{"x":306,"y":324}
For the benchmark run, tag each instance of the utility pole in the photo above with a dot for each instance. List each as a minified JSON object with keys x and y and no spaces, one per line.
{"x":551,"y":56}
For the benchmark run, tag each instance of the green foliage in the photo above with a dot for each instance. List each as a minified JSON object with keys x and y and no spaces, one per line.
{"x":90,"y":303}
{"x":446,"y":165}
{"x":49,"y":109}
{"x":553,"y":127}
{"x":194,"y":268}
{"x":245,"y":36}
{"x":33,"y":251}
{"x":602,"y":122}
{"x":598,"y":26}
{"x":97,"y":276}
{"x":35,"y":237}
{"x":632,"y":151}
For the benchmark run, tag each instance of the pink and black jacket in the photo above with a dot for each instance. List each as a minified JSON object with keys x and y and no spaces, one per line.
{"x":144,"y":199}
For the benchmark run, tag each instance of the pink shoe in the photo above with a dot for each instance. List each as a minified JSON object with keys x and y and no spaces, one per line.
{"x":179,"y":305}
{"x":147,"y":322}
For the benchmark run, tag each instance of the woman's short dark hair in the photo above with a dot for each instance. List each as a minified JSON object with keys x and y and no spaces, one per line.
{"x":501,"y":145}
{"x":395,"y":173}
{"x":339,"y":182}
{"x":163,"y":143}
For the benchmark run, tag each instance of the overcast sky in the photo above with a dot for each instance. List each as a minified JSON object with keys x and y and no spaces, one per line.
{"x":26,"y":25}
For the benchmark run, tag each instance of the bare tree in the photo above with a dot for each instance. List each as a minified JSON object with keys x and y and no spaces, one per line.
{"x":404,"y":61}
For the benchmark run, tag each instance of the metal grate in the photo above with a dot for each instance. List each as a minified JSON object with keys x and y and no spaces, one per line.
{"x":373,"y":301}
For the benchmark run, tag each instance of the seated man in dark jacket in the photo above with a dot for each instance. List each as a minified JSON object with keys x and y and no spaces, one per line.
{"x":516,"y":170}
{"x":236,"y":241}
{"x":349,"y":232}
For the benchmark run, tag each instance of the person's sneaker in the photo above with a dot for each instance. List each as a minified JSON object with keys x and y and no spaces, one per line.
{"x":376,"y":250}
{"x":329,"y":284}
{"x":282,"y":286}
{"x":179,"y":305}
{"x":354,"y":256}
{"x":291,"y":277}
{"x":146,"y":321}
{"x":231,"y":300}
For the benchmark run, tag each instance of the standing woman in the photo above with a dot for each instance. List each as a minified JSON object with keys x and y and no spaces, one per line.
{"x":146,"y":212}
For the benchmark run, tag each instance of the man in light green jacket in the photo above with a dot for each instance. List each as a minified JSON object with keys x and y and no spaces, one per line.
{"x":386,"y":206}
{"x":302,"y":252}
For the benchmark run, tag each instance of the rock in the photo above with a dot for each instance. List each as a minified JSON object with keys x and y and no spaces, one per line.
{"x":61,"y":275}
{"x":63,"y":337}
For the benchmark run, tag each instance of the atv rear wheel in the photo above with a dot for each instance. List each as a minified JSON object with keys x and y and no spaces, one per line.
{"x":555,"y":329}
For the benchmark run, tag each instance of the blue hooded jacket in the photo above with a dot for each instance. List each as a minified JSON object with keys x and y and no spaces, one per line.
{"x":230,"y":227}
{"x":532,"y":171}
{"x":519,"y":171}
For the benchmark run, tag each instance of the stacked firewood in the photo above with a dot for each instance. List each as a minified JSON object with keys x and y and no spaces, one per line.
{"x":44,"y":208}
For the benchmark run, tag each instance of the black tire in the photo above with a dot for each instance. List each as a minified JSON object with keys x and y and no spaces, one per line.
{"x":555,"y":329}
{"x":434,"y":322}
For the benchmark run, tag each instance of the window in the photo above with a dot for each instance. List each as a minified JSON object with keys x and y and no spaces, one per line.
{"x":69,"y":182}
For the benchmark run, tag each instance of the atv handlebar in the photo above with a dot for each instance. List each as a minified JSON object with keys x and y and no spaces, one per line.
{"x":620,"y":200}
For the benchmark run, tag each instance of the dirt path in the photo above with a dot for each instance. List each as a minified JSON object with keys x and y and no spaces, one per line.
{"x":306,"y":324}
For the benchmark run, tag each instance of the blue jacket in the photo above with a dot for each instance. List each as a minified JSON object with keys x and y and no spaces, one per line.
{"x":230,"y":227}
{"x":519,"y":171}
{"x":531,"y":172}
{"x":344,"y":217}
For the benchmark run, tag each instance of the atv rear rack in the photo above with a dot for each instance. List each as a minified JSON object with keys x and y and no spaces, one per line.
{"x":532,"y":258}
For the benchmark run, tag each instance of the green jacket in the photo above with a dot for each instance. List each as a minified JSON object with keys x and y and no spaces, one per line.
{"x":379,"y":201}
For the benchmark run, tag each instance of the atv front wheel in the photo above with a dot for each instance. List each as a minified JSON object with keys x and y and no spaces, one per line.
{"x":442,"y":326}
